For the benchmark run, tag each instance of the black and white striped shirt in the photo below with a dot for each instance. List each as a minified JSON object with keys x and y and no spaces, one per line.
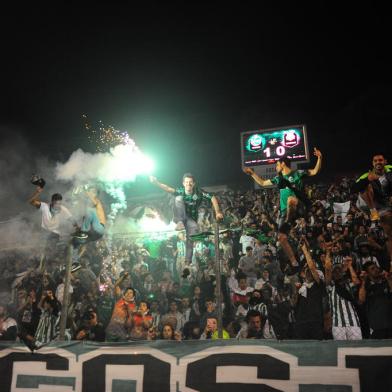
{"x":342,"y":310}
{"x":337,"y":259}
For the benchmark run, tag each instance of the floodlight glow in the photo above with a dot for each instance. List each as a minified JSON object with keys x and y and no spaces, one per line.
{"x":127,"y":162}
{"x":155,"y":224}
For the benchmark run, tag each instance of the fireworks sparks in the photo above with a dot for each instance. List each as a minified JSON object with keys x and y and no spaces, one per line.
{"x":104,"y":136}
{"x":117,"y":160}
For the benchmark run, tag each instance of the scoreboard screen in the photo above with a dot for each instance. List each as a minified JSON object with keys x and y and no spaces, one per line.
{"x":266,"y":146}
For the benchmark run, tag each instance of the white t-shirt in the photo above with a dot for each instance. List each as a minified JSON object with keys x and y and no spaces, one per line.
{"x":60,"y":292}
{"x":246,"y":241}
{"x":53,"y":222}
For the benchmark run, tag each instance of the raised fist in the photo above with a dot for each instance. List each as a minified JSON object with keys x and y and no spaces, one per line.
{"x":317,"y":153}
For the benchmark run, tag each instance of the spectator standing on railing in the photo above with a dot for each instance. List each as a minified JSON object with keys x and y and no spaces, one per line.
{"x":375,"y":194}
{"x":55,"y":218}
{"x":188,"y":199}
{"x":290,"y":184}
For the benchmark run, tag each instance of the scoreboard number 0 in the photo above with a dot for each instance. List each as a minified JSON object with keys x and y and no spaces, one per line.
{"x":280,"y":150}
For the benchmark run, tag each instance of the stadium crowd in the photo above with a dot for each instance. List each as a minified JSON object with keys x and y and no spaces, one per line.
{"x":145,"y":288}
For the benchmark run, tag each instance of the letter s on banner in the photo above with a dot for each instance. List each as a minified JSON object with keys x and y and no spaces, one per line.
{"x":256,"y":368}
{"x":240,"y":368}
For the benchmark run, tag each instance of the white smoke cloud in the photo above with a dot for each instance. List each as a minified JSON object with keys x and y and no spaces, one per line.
{"x":20,"y":222}
{"x":123,"y":163}
{"x":111,"y":170}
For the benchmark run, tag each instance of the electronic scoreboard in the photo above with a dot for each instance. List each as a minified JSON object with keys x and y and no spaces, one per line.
{"x":266,"y":146}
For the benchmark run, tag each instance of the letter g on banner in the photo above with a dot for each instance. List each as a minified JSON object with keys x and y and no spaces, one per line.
{"x":50,"y":368}
{"x":127,"y":368}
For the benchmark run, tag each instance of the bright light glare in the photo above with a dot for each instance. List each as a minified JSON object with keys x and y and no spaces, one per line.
{"x":126,"y":162}
{"x":149,"y":224}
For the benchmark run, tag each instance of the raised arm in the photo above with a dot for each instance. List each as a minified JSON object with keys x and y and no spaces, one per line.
{"x":256,"y":178}
{"x":310,"y":262}
{"x":316,"y":169}
{"x":328,"y":267}
{"x":353,"y":274}
{"x":164,"y":187}
{"x":34,"y":199}
{"x":121,"y":279}
{"x":362,"y":288}
{"x":271,"y":226}
{"x":215,"y":204}
{"x":93,"y":196}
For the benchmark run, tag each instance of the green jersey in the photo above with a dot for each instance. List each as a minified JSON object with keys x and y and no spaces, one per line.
{"x":153,"y":247}
{"x":295,"y":179}
{"x":193,"y":201}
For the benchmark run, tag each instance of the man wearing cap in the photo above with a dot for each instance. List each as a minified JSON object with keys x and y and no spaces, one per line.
{"x":87,"y":278}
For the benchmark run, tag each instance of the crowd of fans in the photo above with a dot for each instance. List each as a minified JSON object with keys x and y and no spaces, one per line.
{"x":145,"y":289}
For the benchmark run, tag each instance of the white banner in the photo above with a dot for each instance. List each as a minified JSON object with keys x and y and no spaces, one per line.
{"x":196,"y":366}
{"x":341,"y":209}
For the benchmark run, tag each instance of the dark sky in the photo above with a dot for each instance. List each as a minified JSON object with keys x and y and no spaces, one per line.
{"x":186,"y":81}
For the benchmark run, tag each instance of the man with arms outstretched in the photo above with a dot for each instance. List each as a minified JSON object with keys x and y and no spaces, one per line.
{"x":188,"y":199}
{"x":290,"y":184}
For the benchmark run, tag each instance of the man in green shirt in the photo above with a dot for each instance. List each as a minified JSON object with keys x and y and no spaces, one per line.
{"x":188,"y":199}
{"x":290,"y":184}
